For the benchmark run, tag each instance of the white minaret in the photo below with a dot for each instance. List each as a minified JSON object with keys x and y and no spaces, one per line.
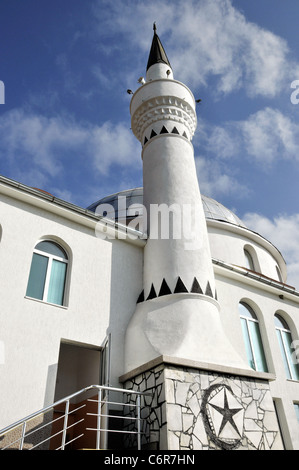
{"x":177,"y":313}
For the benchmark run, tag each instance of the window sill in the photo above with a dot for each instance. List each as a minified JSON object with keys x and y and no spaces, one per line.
{"x":64,"y":307}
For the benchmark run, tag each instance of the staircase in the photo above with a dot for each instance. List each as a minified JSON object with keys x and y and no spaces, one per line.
{"x":96,"y":417}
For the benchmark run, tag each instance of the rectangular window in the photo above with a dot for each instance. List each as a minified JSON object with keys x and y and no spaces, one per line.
{"x":296,"y":405}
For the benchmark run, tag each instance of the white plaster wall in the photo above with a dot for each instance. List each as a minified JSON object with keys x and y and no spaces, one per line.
{"x":104,"y":282}
{"x":159,"y":70}
{"x":170,"y":179}
{"x":265,"y":302}
{"x":186,"y":326}
{"x":159,"y":88}
{"x":227,"y":244}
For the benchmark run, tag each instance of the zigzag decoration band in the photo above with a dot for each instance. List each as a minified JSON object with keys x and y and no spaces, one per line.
{"x":164,"y":131}
{"x":179,"y":288}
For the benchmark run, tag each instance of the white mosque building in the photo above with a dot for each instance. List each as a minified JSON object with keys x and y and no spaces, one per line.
{"x":195,"y":315}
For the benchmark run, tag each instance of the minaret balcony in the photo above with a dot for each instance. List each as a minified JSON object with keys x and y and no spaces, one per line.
{"x":164,"y":108}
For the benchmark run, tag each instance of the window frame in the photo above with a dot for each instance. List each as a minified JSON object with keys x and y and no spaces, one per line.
{"x":46,"y":284}
{"x":253,"y":318}
{"x":279,"y":275}
{"x":249,"y":262}
{"x":285,"y":329}
{"x":251,"y":251}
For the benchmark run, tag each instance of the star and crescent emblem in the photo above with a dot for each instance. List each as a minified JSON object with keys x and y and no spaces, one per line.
{"x":223,"y":416}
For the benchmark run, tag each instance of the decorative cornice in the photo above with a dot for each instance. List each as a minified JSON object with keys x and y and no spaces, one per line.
{"x":190,"y":364}
{"x":163,"y":108}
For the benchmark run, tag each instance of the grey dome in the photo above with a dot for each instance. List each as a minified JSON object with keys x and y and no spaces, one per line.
{"x":121,"y":201}
{"x":214,"y":210}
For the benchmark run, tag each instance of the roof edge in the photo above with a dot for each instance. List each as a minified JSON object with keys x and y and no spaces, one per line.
{"x":70,"y":211}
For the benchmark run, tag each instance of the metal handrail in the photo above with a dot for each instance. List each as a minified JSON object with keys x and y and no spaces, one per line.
{"x":66,"y":400}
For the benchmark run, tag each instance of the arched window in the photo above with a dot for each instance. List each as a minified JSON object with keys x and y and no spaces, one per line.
{"x":248,"y":260}
{"x":279,"y":274}
{"x":48,"y":273}
{"x":252,"y":338}
{"x":287,"y":351}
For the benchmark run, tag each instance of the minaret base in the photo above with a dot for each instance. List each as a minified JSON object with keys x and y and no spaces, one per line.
{"x":182,"y":325}
{"x":188,"y":408}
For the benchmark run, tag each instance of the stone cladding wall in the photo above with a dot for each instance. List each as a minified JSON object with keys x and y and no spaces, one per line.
{"x":189,"y":409}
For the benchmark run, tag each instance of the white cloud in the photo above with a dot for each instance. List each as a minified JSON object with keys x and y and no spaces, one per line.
{"x":215,"y":181}
{"x":113,"y":144}
{"x":204,"y":38}
{"x":39,"y":147}
{"x":40,"y":138}
{"x":102,"y":77}
{"x":283,"y":232}
{"x":221,"y":42}
{"x":268,"y":134}
{"x":265,"y":137}
{"x":222,"y":141}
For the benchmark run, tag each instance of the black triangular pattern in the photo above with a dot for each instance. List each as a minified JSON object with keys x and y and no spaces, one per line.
{"x":164,"y":130}
{"x":145,"y":140}
{"x":209,"y":290}
{"x":185,"y":135}
{"x":196,"y":287}
{"x":180,"y":286}
{"x":141,"y":297}
{"x":164,"y":289}
{"x":152,"y":294}
{"x":175,"y":131}
{"x":153,"y":133}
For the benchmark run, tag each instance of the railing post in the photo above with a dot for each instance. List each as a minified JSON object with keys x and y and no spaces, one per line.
{"x":138,"y":423}
{"x":102,"y":414}
{"x":66,"y":414}
{"x":23,"y":436}
{"x":99,"y":419}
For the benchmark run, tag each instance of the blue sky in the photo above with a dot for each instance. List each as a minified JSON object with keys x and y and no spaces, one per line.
{"x":65,"y":124}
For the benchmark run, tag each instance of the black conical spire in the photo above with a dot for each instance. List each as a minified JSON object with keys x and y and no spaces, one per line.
{"x":157,"y":52}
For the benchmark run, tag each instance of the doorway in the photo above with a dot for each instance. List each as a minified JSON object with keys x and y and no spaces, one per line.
{"x":79,"y":366}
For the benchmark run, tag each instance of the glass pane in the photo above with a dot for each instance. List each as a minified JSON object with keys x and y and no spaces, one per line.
{"x":296,"y":405}
{"x":246,"y":311}
{"x":285,"y":362}
{"x":280,"y":323}
{"x":257,"y":346}
{"x":51,"y":248}
{"x":57,"y":281}
{"x":247,"y":343}
{"x":291,"y":357}
{"x":37,"y":276}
